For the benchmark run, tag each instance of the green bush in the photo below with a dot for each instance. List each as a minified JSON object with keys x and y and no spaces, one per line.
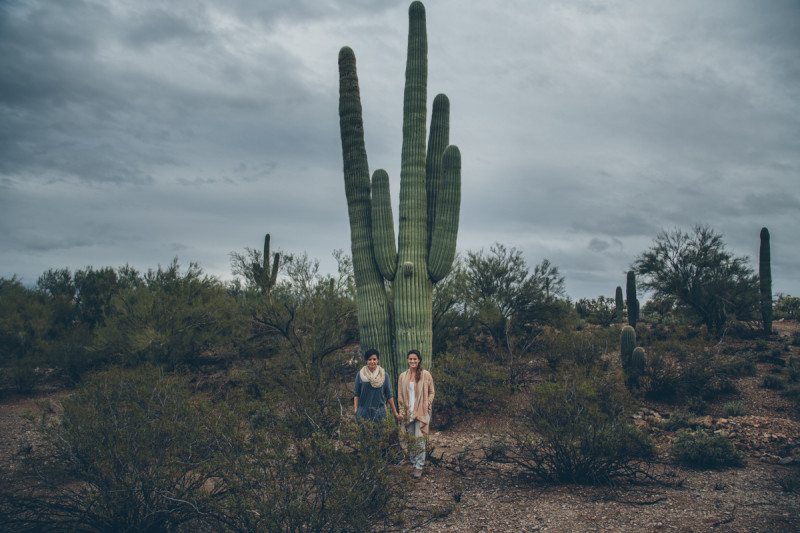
{"x":703,"y":449}
{"x":773,"y":382}
{"x":170,"y":318}
{"x":23,"y":377}
{"x":787,"y":307}
{"x":735,"y":408}
{"x":137,"y":450}
{"x":568,"y":347}
{"x":576,"y":430}
{"x":467,"y":383}
{"x":133,"y":451}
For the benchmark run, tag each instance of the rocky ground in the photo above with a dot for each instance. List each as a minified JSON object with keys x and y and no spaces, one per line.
{"x":764,"y":495}
{"x":751,"y":498}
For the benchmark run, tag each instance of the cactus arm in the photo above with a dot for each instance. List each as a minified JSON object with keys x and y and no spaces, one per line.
{"x":448,"y":203}
{"x":438,"y":139}
{"x":273,"y":278}
{"x":371,"y":301}
{"x":383,"y":226}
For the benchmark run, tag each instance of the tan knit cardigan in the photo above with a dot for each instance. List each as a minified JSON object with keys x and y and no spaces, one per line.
{"x":424,"y":393}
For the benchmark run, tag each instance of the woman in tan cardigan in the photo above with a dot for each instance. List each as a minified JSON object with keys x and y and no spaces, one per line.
{"x":415,"y":394}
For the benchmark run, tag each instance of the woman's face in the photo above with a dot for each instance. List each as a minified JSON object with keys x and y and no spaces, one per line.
{"x":413,"y":361}
{"x":372,"y":363}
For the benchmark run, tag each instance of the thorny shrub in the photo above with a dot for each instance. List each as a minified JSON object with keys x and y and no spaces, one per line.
{"x":703,"y":449}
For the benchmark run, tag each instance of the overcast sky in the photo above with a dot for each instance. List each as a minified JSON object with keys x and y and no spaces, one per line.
{"x":134,"y":131}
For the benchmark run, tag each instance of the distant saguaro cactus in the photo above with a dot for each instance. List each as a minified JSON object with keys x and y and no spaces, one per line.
{"x":619,"y":304}
{"x":627,"y":343}
{"x":430,"y":197}
{"x":765,"y":281}
{"x":265,"y":277}
{"x":633,"y":302}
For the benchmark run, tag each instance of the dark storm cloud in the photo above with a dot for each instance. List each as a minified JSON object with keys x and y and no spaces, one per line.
{"x":135,"y":131}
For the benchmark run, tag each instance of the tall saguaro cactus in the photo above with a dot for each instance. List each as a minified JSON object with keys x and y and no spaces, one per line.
{"x":633,"y":302}
{"x":430,"y":196}
{"x":765,"y":281}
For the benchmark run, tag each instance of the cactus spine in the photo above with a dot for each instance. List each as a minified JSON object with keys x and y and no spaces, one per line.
{"x":266,"y":277}
{"x":620,"y":304}
{"x":765,"y":281}
{"x":627,"y":342}
{"x":430,"y":196}
{"x":633,"y":302}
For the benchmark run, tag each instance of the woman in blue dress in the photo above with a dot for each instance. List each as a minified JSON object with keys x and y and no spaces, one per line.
{"x":373,"y":390}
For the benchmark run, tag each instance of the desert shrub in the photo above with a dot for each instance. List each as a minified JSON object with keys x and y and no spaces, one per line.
{"x":735,"y":365}
{"x":703,"y":449}
{"x":789,"y":481}
{"x":467,"y":383}
{"x":678,"y":419}
{"x":23,"y":377}
{"x":575,"y":430}
{"x":773,"y":382}
{"x":718,"y":385}
{"x":318,"y":483}
{"x":793,"y":369}
{"x":132,"y":452}
{"x":796,"y":338}
{"x":734,"y":408}
{"x":696,"y":405}
{"x":584,"y":348}
{"x":601,"y":311}
{"x":137,"y":450}
{"x":170,"y":317}
{"x":786,"y":306}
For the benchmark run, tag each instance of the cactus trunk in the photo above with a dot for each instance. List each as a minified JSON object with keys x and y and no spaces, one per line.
{"x":765,"y":281}
{"x":430,"y":189}
{"x":633,"y":302}
{"x":627,"y":343}
{"x":620,"y":304}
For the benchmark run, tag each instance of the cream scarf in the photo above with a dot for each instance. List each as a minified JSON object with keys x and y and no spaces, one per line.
{"x":375,"y":378}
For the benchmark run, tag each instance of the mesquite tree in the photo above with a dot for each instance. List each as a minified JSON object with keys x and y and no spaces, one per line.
{"x":397,"y":318}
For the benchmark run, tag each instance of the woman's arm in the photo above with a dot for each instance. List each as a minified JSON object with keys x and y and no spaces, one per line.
{"x":355,"y":404}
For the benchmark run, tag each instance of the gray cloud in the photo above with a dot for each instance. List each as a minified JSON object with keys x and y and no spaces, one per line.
{"x":138,"y":131}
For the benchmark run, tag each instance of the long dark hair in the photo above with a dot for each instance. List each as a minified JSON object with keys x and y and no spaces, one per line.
{"x":418,"y":371}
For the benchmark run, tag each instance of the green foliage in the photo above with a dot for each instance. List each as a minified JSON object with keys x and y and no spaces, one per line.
{"x":310,"y":315}
{"x":698,"y":271}
{"x":430,"y":196}
{"x":24,"y":322}
{"x":703,"y":449}
{"x":568,"y":347}
{"x":509,"y":303}
{"x":787,"y":307}
{"x":137,"y":450}
{"x":466,"y":384}
{"x":602,"y":311}
{"x":734,"y":408}
{"x":170,"y":317}
{"x":774,"y":382}
{"x":576,"y":430}
{"x":765,"y":281}
{"x":132,"y":453}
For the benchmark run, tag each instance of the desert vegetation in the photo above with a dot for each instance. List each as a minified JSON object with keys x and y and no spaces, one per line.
{"x":173,"y":400}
